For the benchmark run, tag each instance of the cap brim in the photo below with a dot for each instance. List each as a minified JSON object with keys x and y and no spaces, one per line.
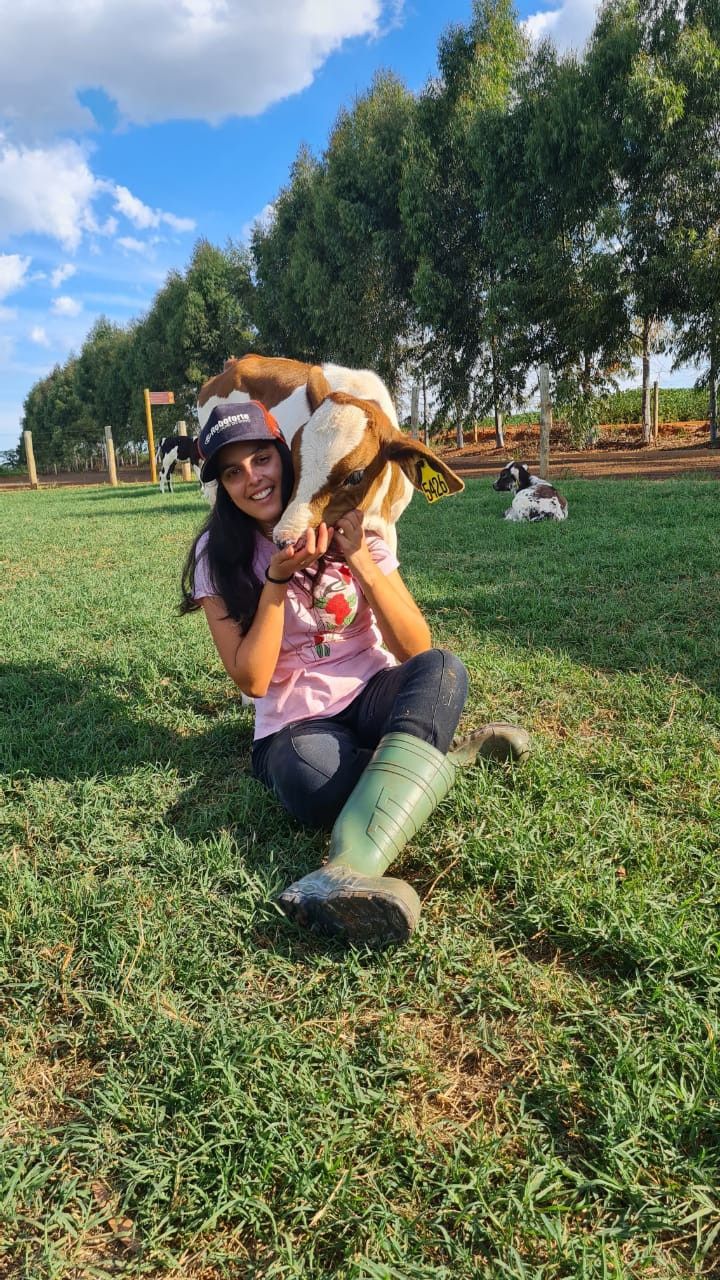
{"x":208,"y":470}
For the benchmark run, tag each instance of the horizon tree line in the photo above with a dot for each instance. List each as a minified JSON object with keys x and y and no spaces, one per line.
{"x":526,"y":207}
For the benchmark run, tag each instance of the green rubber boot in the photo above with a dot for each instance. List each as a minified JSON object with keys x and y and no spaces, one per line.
{"x":495,"y":741}
{"x":350,"y":896}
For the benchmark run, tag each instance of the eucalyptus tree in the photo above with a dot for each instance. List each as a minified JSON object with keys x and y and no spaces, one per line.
{"x":364,"y":287}
{"x":197,"y":319}
{"x":642,"y":94}
{"x":332,"y":281}
{"x":553,"y":223}
{"x":103,"y":379}
{"x":63,"y":428}
{"x":216,"y":313}
{"x":685,"y":50}
{"x":285,"y":253}
{"x":457,"y":286}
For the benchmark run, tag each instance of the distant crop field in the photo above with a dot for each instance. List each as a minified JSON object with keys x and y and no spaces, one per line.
{"x":191,"y":1087}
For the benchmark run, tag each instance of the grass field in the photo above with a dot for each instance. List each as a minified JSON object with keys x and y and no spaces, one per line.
{"x":529,"y":1089}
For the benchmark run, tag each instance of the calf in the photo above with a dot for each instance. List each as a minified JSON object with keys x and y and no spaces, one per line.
{"x":534,"y":498}
{"x":280,"y":384}
{"x":350,"y":454}
{"x":174,"y":449}
{"x":351,"y":439}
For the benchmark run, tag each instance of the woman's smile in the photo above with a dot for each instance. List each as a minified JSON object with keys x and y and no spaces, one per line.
{"x":251,"y":473}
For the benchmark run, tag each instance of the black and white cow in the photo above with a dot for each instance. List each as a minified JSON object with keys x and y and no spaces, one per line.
{"x":174,"y":449}
{"x":535,"y":499}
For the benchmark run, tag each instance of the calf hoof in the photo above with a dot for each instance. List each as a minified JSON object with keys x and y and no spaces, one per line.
{"x":366,"y":910}
{"x":495,"y":741}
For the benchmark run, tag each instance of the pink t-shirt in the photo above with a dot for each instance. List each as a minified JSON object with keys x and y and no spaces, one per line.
{"x":331,"y":642}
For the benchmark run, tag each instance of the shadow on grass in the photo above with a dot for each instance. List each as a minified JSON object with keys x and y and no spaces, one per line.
{"x":179,"y":508}
{"x":65,"y":726}
{"x":145,"y":491}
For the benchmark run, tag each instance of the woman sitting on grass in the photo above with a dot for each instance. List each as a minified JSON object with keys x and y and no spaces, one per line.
{"x":354,"y":709}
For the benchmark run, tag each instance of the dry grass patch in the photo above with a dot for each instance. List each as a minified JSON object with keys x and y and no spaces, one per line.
{"x":456,"y":1081}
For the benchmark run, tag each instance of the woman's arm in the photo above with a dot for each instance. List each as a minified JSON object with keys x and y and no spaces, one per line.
{"x":250,"y":659}
{"x":402,"y":625}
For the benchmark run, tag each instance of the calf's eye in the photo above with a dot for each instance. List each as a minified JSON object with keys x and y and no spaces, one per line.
{"x":354,"y":478}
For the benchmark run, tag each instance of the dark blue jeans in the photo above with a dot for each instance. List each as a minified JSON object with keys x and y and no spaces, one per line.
{"x":313,"y":765}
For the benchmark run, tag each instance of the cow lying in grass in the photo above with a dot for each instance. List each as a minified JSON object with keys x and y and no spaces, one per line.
{"x":342,"y":428}
{"x":535,"y":499}
{"x":174,"y":449}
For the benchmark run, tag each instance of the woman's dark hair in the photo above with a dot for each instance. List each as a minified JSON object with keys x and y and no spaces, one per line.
{"x":230,"y":550}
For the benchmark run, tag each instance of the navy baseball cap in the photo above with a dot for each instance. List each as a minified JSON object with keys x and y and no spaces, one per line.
{"x":232,"y":421}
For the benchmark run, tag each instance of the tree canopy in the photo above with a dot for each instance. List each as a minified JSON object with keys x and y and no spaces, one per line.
{"x":525,"y":207}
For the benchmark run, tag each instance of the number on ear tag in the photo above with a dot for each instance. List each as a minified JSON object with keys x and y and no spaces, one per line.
{"x":432,"y":482}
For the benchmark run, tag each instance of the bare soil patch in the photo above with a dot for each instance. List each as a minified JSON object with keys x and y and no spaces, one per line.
{"x":619,"y":454}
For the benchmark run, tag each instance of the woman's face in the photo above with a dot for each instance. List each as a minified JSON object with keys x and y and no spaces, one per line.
{"x":251,"y":474}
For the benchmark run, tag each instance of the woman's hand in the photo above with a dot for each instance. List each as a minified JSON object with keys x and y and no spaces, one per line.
{"x":349,"y":539}
{"x":308,"y":548}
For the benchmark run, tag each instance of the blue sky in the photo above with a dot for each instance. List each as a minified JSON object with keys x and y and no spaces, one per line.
{"x":137,"y":126}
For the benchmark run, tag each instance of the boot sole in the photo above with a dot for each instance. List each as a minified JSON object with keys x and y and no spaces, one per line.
{"x":356,"y":913}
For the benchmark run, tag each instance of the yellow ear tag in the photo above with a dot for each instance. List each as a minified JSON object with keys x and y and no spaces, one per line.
{"x":432,"y":482}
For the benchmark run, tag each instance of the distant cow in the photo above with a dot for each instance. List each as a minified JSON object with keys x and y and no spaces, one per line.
{"x":535,"y":499}
{"x":342,"y":427}
{"x":174,"y":449}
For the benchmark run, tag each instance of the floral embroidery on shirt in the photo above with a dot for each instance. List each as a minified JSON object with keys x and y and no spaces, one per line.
{"x":338,"y":604}
{"x":322,"y":648}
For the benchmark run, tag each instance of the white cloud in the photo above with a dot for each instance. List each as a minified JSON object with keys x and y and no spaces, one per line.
{"x":262,"y":220}
{"x":160,"y":60}
{"x":7,"y":314}
{"x":46,"y":191}
{"x":61,"y":273}
{"x":66,"y":306}
{"x":39,"y":336}
{"x":143,"y":217}
{"x":13,"y":270}
{"x":132,"y":245}
{"x":569,"y":27}
{"x":51,"y":190}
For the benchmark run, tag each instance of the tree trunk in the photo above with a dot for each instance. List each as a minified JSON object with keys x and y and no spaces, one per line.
{"x":586,"y":386}
{"x":545,"y":421}
{"x":460,"y":436}
{"x":499,"y":433}
{"x":713,"y":406}
{"x":646,"y":420}
{"x":499,"y":428}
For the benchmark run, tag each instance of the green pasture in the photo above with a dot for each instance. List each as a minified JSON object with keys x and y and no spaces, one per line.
{"x":191,"y":1087}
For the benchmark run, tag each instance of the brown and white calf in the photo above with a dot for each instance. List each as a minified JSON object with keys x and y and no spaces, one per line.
{"x":351,"y":455}
{"x":347,"y":450}
{"x":279,"y":384}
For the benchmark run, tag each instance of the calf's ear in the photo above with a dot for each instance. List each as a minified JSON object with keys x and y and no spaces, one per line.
{"x":423,"y":468}
{"x":318,"y":388}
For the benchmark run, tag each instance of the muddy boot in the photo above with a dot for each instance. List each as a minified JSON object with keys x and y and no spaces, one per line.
{"x":496,"y":741}
{"x":400,"y":787}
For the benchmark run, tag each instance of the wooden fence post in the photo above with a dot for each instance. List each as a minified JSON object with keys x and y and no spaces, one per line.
{"x":545,"y":422}
{"x":656,"y":412}
{"x":110,"y":450}
{"x":185,"y":471}
{"x":30,"y":458}
{"x":150,"y":436}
